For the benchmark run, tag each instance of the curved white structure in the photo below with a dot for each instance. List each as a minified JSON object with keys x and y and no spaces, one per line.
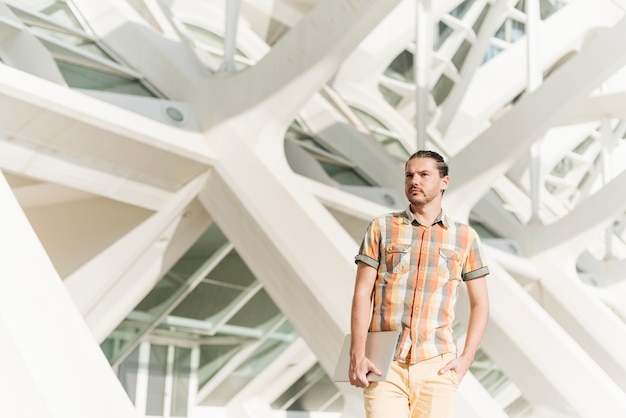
{"x":184,"y":184}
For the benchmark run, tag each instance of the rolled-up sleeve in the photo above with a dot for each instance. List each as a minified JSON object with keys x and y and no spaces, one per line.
{"x":475,"y":265}
{"x":369,"y":252}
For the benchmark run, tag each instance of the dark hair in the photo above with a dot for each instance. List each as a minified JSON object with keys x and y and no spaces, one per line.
{"x":441,"y":164}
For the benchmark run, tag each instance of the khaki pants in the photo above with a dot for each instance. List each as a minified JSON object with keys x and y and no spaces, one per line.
{"x":415,"y":391}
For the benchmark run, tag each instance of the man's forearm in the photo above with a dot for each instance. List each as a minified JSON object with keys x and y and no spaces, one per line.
{"x":359,"y":325}
{"x":479,"y":316}
{"x":361,"y":308}
{"x":475,"y":330}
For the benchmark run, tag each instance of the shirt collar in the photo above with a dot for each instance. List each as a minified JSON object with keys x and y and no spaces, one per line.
{"x":445,"y":221}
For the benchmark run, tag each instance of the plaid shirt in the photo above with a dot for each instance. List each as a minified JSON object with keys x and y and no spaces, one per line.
{"x":419,"y":271}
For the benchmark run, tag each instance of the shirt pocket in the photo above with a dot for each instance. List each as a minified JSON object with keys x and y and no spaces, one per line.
{"x":397,"y":257}
{"x":448,"y":265}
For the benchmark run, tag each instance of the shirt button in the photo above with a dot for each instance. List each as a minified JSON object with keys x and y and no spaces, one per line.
{"x":421,"y":287}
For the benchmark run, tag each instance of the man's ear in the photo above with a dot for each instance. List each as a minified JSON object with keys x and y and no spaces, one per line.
{"x":445,"y":180}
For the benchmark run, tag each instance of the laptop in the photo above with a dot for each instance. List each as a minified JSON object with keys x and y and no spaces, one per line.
{"x":380,"y":347}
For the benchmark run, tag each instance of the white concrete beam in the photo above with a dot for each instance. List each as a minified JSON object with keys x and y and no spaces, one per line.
{"x":337,"y":28}
{"x":29,"y":162}
{"x":51,"y":365}
{"x":511,"y":135}
{"x":490,"y":25}
{"x":596,"y":328}
{"x":35,"y":113}
{"x":15,"y":38}
{"x":170,"y":65}
{"x":595,"y":108}
{"x":501,"y":79}
{"x":111,"y":284}
{"x":537,"y":354}
{"x":282,"y":248}
{"x":589,"y":217}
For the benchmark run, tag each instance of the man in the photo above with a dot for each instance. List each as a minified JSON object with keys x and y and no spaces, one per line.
{"x":409,"y":268}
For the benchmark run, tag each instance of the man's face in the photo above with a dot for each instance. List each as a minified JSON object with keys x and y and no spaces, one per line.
{"x":422,"y":182}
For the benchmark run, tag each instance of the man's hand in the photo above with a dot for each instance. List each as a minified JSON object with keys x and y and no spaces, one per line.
{"x":360,"y":365}
{"x":460,"y":365}
{"x":359,"y":370}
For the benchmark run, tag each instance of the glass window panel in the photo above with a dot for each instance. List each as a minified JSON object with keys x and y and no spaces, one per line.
{"x":369,"y":120}
{"x":180,"y":381}
{"x":482,"y":230}
{"x":162,"y":296}
{"x":297,"y":133}
{"x":261,"y":357}
{"x":259,"y":312}
{"x":344,"y":175}
{"x":462,"y":9}
{"x":444,"y":32}
{"x":212,"y":358}
{"x":83,"y":43}
{"x":492,"y":51}
{"x":79,"y":76}
{"x":200,"y":251}
{"x":168,"y":285}
{"x":209,"y":38}
{"x":232,"y":271}
{"x":442,"y":89}
{"x":511,"y":30}
{"x":317,"y":396}
{"x":206,"y":301}
{"x":58,"y":10}
{"x":227,"y":281}
{"x":401,"y":68}
{"x":392,"y":145}
{"x":290,"y":396}
{"x":211,"y":50}
{"x":481,"y":19}
{"x":389,"y":95}
{"x":127,"y":374}
{"x":157,"y":370}
{"x":519,"y":408}
{"x":108,"y":347}
{"x":461,"y":55}
{"x":562,"y":168}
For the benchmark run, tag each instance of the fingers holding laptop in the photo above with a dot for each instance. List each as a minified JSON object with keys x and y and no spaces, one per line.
{"x":359,"y":369}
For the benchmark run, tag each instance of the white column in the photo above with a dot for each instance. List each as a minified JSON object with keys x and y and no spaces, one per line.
{"x":51,"y":365}
{"x":421,"y":66}
{"x":533,"y":68}
{"x":230,"y":36}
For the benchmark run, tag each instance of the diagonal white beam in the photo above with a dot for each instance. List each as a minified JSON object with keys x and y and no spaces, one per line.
{"x":16,"y":38}
{"x":589,"y":217}
{"x":595,"y":108}
{"x":511,"y":135}
{"x":596,"y":328}
{"x":112,"y":283}
{"x":497,"y":82}
{"x":383,"y":43}
{"x":337,"y":28}
{"x":29,"y":162}
{"x":70,"y":378}
{"x":274,"y":380}
{"x":35,"y":113}
{"x":537,"y":354}
{"x":490,"y":25}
